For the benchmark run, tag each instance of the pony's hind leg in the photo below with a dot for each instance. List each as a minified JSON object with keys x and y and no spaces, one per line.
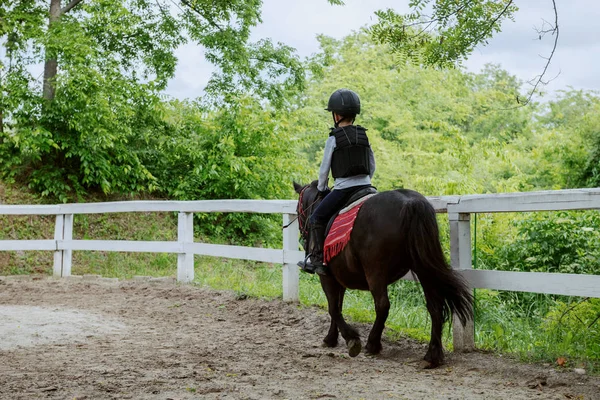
{"x":382,"y":309}
{"x":435,"y":353}
{"x":331,"y":340}
{"x":335,"y":295}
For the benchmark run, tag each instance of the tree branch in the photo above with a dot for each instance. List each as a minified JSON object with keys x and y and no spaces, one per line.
{"x":162,"y":10}
{"x":69,"y":6}
{"x":268,"y":61}
{"x":594,"y":321}
{"x":538,"y":80}
{"x":455,"y":13}
{"x":439,"y":19}
{"x":568,"y":310}
{"x":491,"y":25}
{"x":432,"y":21}
{"x":207,"y":18}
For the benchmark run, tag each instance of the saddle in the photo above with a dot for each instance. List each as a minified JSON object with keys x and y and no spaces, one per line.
{"x":355,"y":197}
{"x":340,"y":226}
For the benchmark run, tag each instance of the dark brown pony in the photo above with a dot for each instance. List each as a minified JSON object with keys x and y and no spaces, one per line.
{"x":395,"y":232}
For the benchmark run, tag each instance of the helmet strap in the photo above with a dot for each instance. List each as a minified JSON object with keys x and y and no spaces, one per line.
{"x":337,"y":123}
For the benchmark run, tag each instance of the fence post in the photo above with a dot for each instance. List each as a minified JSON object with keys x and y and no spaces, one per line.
{"x":185,"y":235}
{"x":63,"y":231}
{"x":68,"y":253}
{"x":460,"y":258}
{"x":291,"y":275}
{"x":58,"y":254}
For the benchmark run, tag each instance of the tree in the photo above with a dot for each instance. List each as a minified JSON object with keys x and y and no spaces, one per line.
{"x":443,"y":33}
{"x":241,"y":151}
{"x":574,"y":119}
{"x":105,"y":65}
{"x":449,"y":131}
{"x":142,"y":34}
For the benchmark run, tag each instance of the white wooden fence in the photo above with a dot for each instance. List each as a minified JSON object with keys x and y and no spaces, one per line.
{"x":459,"y":209}
{"x":63,"y":244}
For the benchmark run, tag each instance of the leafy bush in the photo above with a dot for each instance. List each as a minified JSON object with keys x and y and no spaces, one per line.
{"x":574,"y":328}
{"x":558,"y":242}
{"x":565,"y":242}
{"x":239,"y":151}
{"x":182,"y":151}
{"x":87,"y":140}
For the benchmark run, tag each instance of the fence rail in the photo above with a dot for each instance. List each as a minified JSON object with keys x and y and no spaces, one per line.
{"x":459,"y":209}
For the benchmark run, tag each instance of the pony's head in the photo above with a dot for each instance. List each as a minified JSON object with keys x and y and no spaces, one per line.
{"x":308,"y":200}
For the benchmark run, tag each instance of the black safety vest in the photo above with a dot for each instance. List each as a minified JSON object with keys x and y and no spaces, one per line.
{"x":351,"y":154}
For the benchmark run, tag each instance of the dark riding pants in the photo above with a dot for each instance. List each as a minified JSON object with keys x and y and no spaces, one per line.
{"x":332,"y":203}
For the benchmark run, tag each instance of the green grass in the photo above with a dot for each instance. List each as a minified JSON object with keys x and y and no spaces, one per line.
{"x":540,"y":328}
{"x":124,"y":265}
{"x":244,"y":277}
{"x":122,"y":226}
{"x":117,"y":226}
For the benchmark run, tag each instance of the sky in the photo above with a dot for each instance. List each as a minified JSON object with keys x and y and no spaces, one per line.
{"x":517,"y":49}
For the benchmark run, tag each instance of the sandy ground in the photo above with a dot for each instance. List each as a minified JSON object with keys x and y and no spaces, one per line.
{"x":77,"y":339}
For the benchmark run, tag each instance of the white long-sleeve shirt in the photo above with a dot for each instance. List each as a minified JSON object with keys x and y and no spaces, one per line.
{"x":342,"y":183}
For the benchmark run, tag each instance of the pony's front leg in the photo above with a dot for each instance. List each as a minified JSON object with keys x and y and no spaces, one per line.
{"x":382,"y":309}
{"x":335,"y":299}
{"x":331,"y":340}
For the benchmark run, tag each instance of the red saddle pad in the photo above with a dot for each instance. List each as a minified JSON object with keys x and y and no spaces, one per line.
{"x":339,"y":234}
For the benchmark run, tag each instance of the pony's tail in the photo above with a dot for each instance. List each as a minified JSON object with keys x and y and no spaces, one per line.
{"x":445,"y":290}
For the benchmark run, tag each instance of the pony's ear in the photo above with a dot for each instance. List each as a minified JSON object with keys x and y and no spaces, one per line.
{"x":298,"y":187}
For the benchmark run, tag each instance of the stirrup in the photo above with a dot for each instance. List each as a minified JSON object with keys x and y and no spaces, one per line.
{"x":310,"y":268}
{"x":306,"y":266}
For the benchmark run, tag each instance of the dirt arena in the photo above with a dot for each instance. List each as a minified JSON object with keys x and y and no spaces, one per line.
{"x":100,"y":339}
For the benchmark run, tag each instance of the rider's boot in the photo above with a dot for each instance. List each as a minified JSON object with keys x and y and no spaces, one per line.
{"x":316,"y":240}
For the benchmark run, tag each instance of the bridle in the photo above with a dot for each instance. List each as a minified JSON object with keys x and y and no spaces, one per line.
{"x":304,"y":212}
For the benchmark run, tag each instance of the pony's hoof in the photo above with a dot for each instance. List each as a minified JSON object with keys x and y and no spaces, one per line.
{"x":373,"y":349}
{"x":423,"y":364}
{"x":326,"y":343}
{"x":354,"y":347}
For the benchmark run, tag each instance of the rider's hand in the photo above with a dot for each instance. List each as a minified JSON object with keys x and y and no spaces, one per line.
{"x":323,"y":193}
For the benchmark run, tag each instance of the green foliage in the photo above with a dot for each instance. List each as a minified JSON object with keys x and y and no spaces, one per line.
{"x":566,"y":242}
{"x":575,"y":116}
{"x":439,"y":132}
{"x":108,"y":128}
{"x":559,"y":242}
{"x":84,"y":150}
{"x":441,"y":33}
{"x":451,"y":132}
{"x":573,"y":328}
{"x":493,"y":114}
{"x":240,"y":151}
{"x":19,"y":24}
{"x":114,"y":59}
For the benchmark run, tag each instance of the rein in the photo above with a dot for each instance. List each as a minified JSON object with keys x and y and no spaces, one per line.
{"x":291,"y":222}
{"x":299,"y":212}
{"x":304,"y":212}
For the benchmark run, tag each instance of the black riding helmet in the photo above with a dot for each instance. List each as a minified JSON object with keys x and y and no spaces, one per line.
{"x":344,"y":102}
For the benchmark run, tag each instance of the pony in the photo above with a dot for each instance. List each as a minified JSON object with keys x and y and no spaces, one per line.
{"x":395,"y":232}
